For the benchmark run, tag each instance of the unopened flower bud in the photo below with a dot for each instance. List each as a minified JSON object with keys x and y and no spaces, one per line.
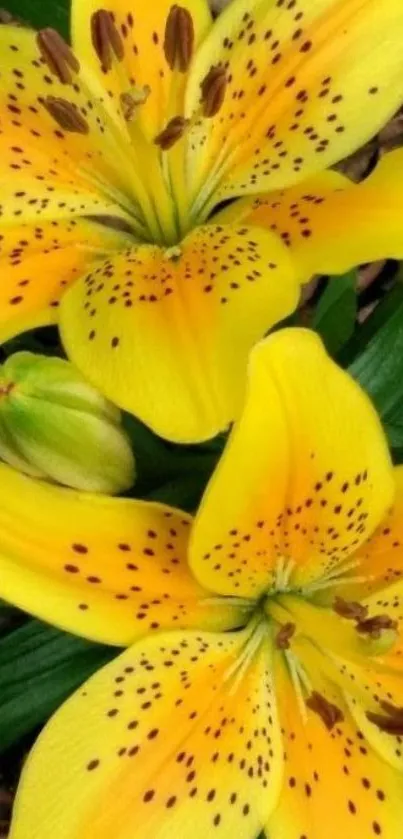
{"x":54,"y":425}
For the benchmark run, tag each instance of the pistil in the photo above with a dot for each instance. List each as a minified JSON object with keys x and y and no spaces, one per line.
{"x":132,"y":99}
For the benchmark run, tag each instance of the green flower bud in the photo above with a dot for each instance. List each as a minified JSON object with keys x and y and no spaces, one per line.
{"x":54,"y":425}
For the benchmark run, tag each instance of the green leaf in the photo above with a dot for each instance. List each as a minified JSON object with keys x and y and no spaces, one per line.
{"x":43,"y":13}
{"x":366,"y":331}
{"x":336,"y":312}
{"x":379,"y":367}
{"x":184,"y":492}
{"x":39,"y":668}
{"x":170,"y":473}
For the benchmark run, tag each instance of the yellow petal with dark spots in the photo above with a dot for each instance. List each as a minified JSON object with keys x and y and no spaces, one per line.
{"x":369,"y":690}
{"x":371,"y":682}
{"x":35,"y":148}
{"x":305,"y":478}
{"x":380,"y":559}
{"x":106,"y":568}
{"x":143,"y":63}
{"x":177,"y":735}
{"x":39,"y":261}
{"x":26,"y":198}
{"x":166,"y":334}
{"x":334,"y":785}
{"x":308,"y":82}
{"x":330,"y":224}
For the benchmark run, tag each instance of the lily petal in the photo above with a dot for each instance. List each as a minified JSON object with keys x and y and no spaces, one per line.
{"x":58,"y":134}
{"x":370,"y":690}
{"x":380,"y":560}
{"x":371,"y":683}
{"x":171,"y":330}
{"x":331,"y":224}
{"x":109,"y":569}
{"x":37,"y":263}
{"x":143,"y":63}
{"x":305,"y":478}
{"x":335,"y":785}
{"x":172,"y":736}
{"x":307,"y":83}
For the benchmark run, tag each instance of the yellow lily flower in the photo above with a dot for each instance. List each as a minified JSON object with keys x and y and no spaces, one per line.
{"x":292,"y":721}
{"x":116,"y":154}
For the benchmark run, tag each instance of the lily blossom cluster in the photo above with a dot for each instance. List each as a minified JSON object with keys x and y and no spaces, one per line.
{"x":166,"y":186}
{"x":167,"y":191}
{"x":262,"y":688}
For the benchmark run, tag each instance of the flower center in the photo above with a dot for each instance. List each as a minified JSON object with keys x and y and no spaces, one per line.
{"x":331,"y":638}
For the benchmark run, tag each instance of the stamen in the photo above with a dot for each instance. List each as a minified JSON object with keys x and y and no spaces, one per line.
{"x":237,"y":670}
{"x":172,"y":133}
{"x":66,"y":115}
{"x":335,"y":577}
{"x":131,"y":100}
{"x":278,"y":577}
{"x":391,"y":723}
{"x":106,"y":39}
{"x":213,"y":89}
{"x":240,"y":602}
{"x":331,"y":583}
{"x":376,"y":625}
{"x":303,"y":676}
{"x":284,"y":635}
{"x":288,"y":569}
{"x":329,"y":713}
{"x":350,"y":610}
{"x":284,"y":569}
{"x":179,"y":39}
{"x":296,"y":681}
{"x":58,"y":56}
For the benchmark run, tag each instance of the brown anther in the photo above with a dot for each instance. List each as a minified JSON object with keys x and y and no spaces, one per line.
{"x":284,"y":635}
{"x":329,"y":713}
{"x":132,"y":99}
{"x":172,"y":133}
{"x":213,"y":88}
{"x":58,"y":56}
{"x":391,"y":722}
{"x":106,"y":39}
{"x":376,"y":625}
{"x":349,"y":609}
{"x":66,"y":115}
{"x":179,"y":38}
